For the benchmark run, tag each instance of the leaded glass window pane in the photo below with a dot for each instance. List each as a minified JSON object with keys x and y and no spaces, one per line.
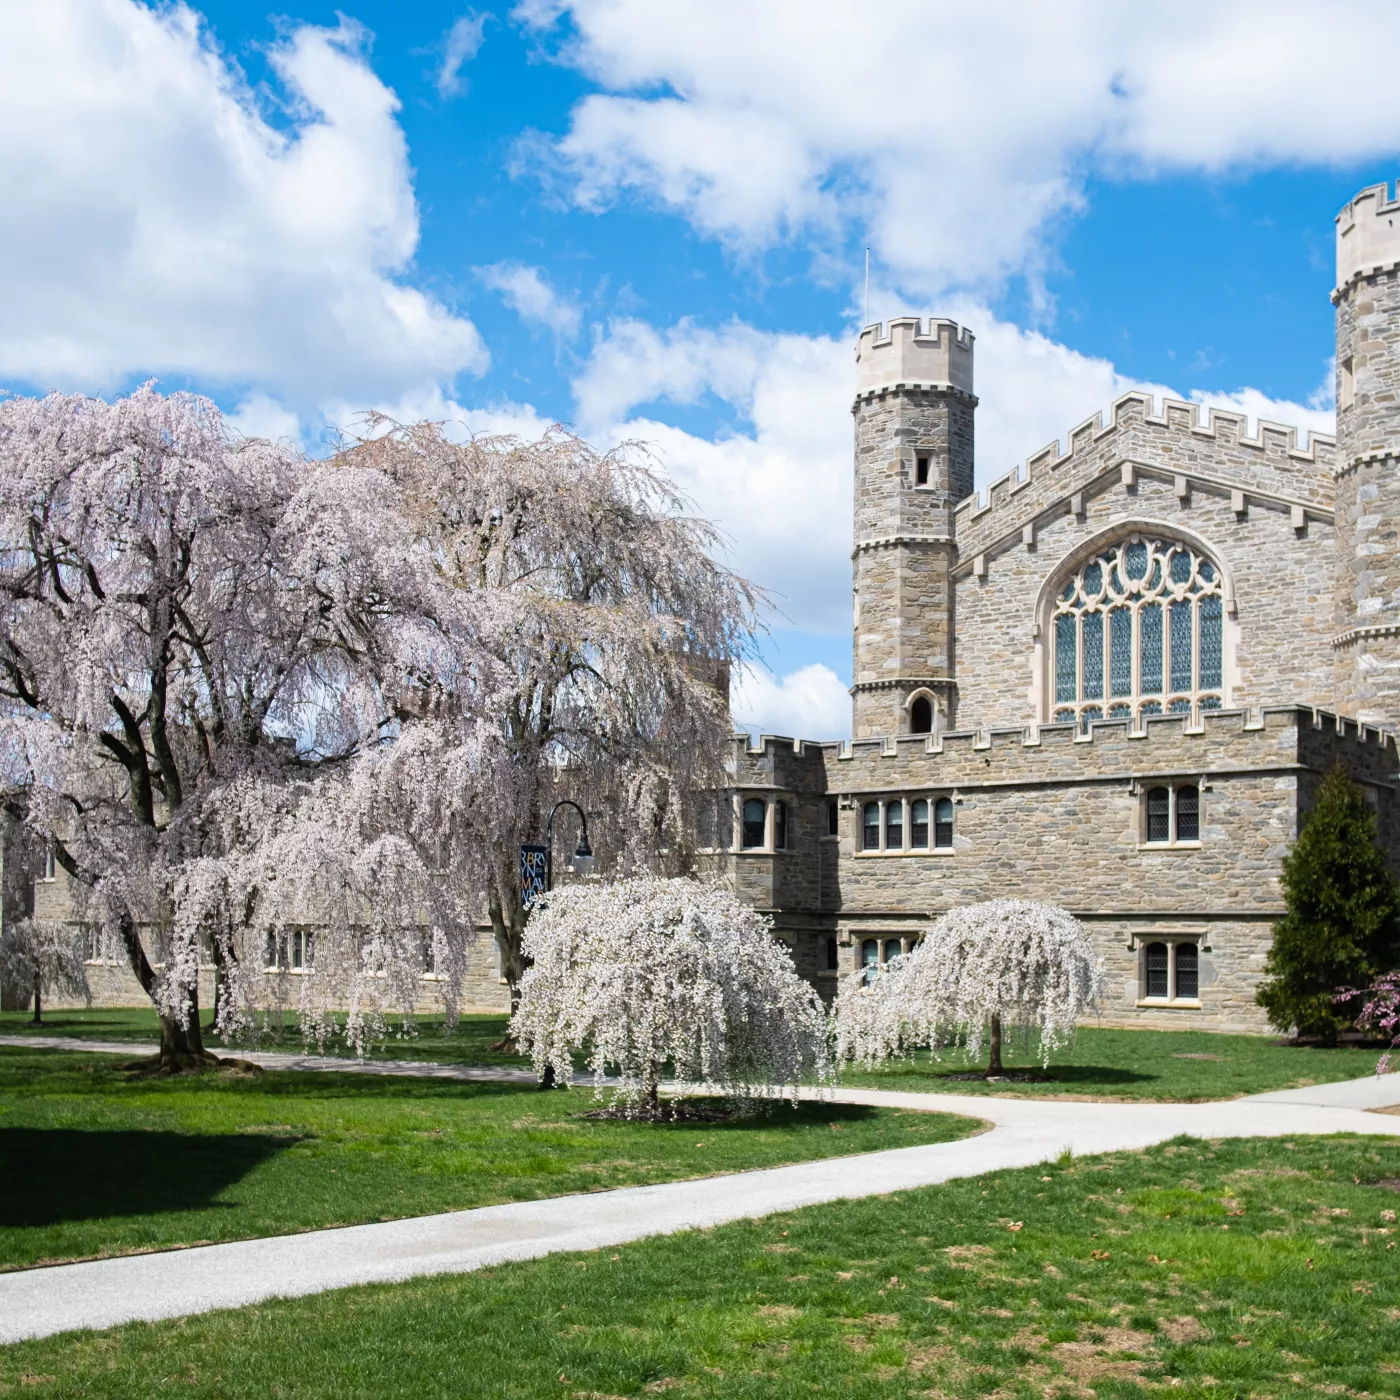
{"x":943,"y":823}
{"x":1164,"y":634}
{"x":1188,"y":814}
{"x":1066,"y":663}
{"x":1188,"y":979}
{"x":755,"y":822}
{"x":1150,"y":648}
{"x":780,"y":822}
{"x":870,"y":827}
{"x":1181,"y":645}
{"x":893,"y":948}
{"x":918,"y":826}
{"x":870,"y":958}
{"x":1120,"y":651}
{"x":1092,"y":623}
{"x":1155,"y":960}
{"x":1212,"y":641}
{"x":894,"y":826}
{"x":1159,"y":801}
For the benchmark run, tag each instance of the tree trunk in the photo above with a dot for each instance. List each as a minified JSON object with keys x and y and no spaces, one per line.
{"x":994,"y":1042}
{"x":651,"y":1094}
{"x":37,"y":1019}
{"x":507,"y":924}
{"x":181,"y":1046}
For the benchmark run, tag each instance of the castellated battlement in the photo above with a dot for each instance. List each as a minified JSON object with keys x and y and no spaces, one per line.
{"x":1368,"y":234}
{"x":1209,"y":450}
{"x":1286,"y":737}
{"x":907,"y":352}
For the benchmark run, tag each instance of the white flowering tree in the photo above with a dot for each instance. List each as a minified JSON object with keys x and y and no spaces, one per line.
{"x":979,"y":971}
{"x":648,"y":972}
{"x":45,"y":957}
{"x":613,"y":629}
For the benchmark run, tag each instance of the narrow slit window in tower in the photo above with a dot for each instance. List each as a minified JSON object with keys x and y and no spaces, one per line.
{"x":921,"y":471}
{"x":921,"y":716}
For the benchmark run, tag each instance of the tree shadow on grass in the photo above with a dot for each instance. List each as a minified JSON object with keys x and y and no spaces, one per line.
{"x":50,"y":1176}
{"x":1065,"y":1076}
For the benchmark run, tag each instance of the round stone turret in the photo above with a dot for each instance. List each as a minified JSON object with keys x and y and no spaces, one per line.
{"x":1368,"y":457}
{"x":913,"y":463}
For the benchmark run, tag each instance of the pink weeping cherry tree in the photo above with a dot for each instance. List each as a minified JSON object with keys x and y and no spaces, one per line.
{"x":980,"y":971}
{"x":613,"y":630}
{"x":286,"y":713}
{"x":205,"y":647}
{"x":649,"y":972}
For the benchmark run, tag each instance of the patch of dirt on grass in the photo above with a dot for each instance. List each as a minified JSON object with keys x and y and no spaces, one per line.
{"x":1183,"y":1329}
{"x":1386,"y":1183}
{"x":1197,"y":1055}
{"x":783,"y":1312}
{"x":958,"y":1254}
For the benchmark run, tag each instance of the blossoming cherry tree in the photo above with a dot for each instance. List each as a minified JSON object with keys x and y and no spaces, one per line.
{"x":649,"y":972}
{"x":979,"y":970}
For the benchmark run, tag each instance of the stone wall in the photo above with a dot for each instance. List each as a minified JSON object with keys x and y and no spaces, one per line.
{"x":1279,"y":579}
{"x":1050,"y":815}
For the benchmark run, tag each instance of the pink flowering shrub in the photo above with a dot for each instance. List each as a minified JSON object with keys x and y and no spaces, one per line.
{"x":1380,"y":1012}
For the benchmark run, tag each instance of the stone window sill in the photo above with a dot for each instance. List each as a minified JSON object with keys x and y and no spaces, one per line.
{"x":829,"y":972}
{"x":1166,"y":1003}
{"x":759,"y":851}
{"x":940,"y":851}
{"x":1168,"y":846}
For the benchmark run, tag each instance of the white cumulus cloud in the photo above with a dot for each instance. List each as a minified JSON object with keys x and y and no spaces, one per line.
{"x":809,"y":703}
{"x":529,"y":294}
{"x":155,"y":222}
{"x":952,"y":136}
{"x":460,"y":45}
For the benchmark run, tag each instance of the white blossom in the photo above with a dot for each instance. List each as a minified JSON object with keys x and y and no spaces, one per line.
{"x":650,"y":972}
{"x":43,"y":956}
{"x":1014,"y":963}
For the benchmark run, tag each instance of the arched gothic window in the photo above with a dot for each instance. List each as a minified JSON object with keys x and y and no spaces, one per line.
{"x":1138,"y":630}
{"x":893,"y":948}
{"x":921,"y":715}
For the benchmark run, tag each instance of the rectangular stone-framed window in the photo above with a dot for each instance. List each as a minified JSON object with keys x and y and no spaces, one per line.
{"x":917,"y":825}
{"x":1170,"y":815}
{"x":1169,"y":970}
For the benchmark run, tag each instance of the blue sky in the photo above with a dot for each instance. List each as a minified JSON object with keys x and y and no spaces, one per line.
{"x":649,"y":220}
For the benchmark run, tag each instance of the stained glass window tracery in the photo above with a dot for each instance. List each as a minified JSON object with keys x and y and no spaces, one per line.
{"x":1141,"y":624}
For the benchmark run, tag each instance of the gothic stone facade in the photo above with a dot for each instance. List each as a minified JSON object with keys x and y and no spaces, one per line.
{"x":1114,"y":683}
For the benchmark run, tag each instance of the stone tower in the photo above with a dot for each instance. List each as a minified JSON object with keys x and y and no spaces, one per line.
{"x":913,"y":463}
{"x":1368,"y":458}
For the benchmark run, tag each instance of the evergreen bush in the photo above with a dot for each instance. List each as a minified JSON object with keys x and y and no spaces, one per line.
{"x":1342,"y":925}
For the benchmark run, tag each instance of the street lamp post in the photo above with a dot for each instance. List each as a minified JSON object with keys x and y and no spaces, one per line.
{"x":583,"y":855}
{"x":583,"y":863}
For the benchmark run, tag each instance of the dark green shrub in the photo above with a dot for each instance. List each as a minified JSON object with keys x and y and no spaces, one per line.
{"x":1343,"y":921}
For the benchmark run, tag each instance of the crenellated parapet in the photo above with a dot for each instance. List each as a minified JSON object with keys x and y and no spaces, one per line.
{"x":1368,"y":236}
{"x":1286,"y":739}
{"x":1196,"y":450}
{"x":908,"y":352}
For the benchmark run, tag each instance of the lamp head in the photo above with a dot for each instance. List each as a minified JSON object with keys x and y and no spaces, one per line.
{"x":583,"y":857}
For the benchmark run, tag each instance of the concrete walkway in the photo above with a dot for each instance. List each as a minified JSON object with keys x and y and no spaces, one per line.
{"x":39,"y":1302}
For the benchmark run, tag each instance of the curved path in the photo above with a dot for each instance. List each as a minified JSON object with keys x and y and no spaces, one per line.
{"x":102,"y":1293}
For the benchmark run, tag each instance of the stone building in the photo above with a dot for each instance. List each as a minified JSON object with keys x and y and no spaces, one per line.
{"x":1114,"y":683}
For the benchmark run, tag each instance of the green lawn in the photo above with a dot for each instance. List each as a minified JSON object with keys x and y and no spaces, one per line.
{"x":1195,"y":1270}
{"x":1127,"y":1064}
{"x":469,"y":1044}
{"x":1132,"y":1064}
{"x":93,"y":1161}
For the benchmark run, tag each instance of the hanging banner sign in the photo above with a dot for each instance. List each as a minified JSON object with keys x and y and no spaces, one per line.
{"x":534,"y":874}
